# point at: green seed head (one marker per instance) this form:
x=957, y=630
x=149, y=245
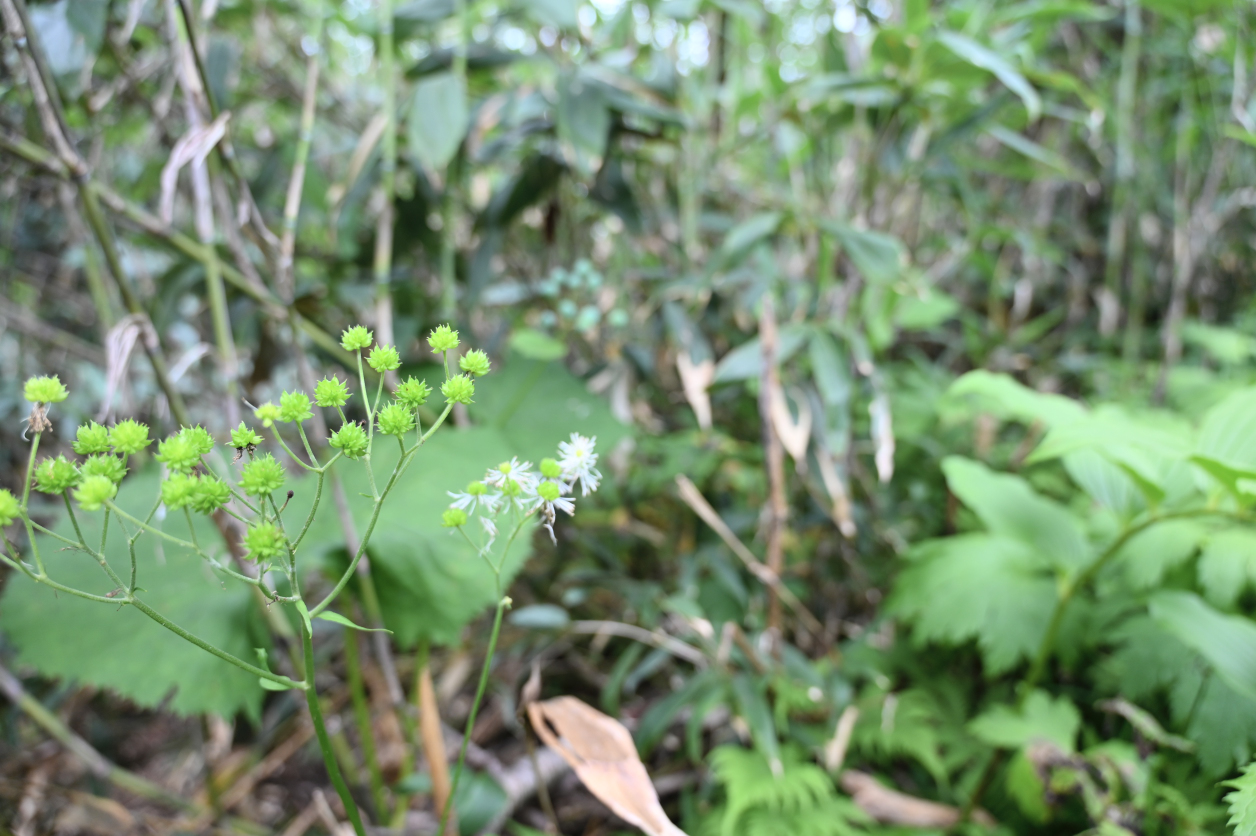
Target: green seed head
x=129, y=437
x=262, y=476
x=475, y=362
x=384, y=358
x=177, y=491
x=95, y=491
x=9, y=508
x=549, y=491
x=243, y=437
x=178, y=453
x=551, y=469
x=511, y=488
x=350, y=439
x=268, y=414
x=331, y=392
x=200, y=439
x=458, y=389
x=395, y=419
x=56, y=476
x=356, y=339
x=91, y=438
x=46, y=389
x=208, y=495
x=294, y=406
x=413, y=393
x=442, y=339
x=264, y=541
x=106, y=465
x=477, y=489
x=453, y=518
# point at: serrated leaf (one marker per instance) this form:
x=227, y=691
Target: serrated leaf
x=437, y=121
x=1228, y=642
x=121, y=649
x=1041, y=718
x=1242, y=802
x=1227, y=565
x=1008, y=506
x=1227, y=435
x=1150, y=553
x=1106, y=483
x=991, y=588
x=337, y=618
x=987, y=59
x=1006, y=398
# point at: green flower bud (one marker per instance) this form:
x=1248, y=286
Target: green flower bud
x=262, y=476
x=56, y=476
x=551, y=469
x=294, y=406
x=443, y=338
x=475, y=362
x=95, y=491
x=384, y=358
x=178, y=453
x=331, y=391
x=264, y=541
x=511, y=488
x=200, y=439
x=395, y=419
x=106, y=465
x=356, y=339
x=351, y=440
x=549, y=491
x=47, y=389
x=209, y=495
x=243, y=437
x=9, y=509
x=91, y=438
x=129, y=437
x=177, y=491
x=268, y=414
x=477, y=489
x=453, y=517
x=413, y=393
x=458, y=389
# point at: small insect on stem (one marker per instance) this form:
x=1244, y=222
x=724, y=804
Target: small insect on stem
x=115, y=593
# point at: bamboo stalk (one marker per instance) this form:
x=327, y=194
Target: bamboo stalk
x=774, y=461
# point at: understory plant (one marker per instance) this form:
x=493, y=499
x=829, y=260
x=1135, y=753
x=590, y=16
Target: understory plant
x=249, y=494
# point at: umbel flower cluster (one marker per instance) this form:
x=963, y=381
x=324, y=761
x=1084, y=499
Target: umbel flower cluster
x=514, y=487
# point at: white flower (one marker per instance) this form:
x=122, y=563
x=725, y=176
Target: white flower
x=490, y=528
x=471, y=502
x=579, y=462
x=515, y=470
x=549, y=501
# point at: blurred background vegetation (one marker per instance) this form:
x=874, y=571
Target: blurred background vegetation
x=752, y=246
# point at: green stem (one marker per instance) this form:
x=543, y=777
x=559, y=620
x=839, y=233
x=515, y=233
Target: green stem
x=309, y=520
x=324, y=742
x=209, y=648
x=502, y=605
x=26, y=498
x=362, y=716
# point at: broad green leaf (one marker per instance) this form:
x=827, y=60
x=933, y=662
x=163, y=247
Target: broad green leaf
x=1227, y=565
x=584, y=123
x=1149, y=554
x=120, y=648
x=1228, y=642
x=1105, y=483
x=745, y=362
x=1228, y=432
x=437, y=121
x=1008, y=506
x=1230, y=346
x=994, y=589
x=1242, y=802
x=337, y=618
x=741, y=238
x=535, y=345
x=985, y=58
x=1007, y=398
x=879, y=257
x=1040, y=719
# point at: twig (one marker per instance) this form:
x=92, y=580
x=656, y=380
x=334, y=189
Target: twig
x=96, y=763
x=695, y=500
x=655, y=638
x=774, y=462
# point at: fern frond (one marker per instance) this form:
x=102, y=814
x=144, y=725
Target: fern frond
x=751, y=786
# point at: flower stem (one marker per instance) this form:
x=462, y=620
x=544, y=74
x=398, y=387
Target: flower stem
x=324, y=741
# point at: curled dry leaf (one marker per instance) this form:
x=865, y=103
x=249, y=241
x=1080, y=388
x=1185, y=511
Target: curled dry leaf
x=193, y=147
x=893, y=807
x=695, y=379
x=602, y=753
x=794, y=436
